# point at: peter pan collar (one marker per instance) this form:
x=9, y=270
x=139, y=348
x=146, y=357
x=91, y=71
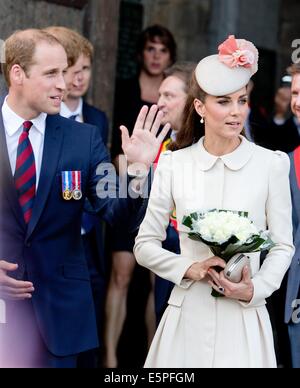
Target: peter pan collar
x=234, y=161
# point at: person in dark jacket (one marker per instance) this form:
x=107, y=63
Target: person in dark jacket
x=49, y=166
x=293, y=285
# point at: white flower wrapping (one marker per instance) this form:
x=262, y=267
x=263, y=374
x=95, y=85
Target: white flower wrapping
x=220, y=226
x=227, y=233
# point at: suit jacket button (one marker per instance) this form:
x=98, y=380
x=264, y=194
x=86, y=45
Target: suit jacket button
x=28, y=244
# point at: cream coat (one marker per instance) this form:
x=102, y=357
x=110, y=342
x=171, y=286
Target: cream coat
x=198, y=330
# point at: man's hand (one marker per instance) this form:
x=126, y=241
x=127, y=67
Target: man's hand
x=143, y=146
x=11, y=289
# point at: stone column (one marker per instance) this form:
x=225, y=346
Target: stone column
x=224, y=21
x=101, y=27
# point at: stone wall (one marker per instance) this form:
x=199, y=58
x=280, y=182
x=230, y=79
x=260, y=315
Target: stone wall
x=98, y=21
x=101, y=26
x=198, y=26
x=187, y=19
x=289, y=32
x=20, y=14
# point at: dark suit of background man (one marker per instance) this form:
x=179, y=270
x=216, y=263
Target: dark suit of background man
x=76, y=108
x=43, y=273
x=292, y=307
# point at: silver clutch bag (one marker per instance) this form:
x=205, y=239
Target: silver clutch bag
x=234, y=267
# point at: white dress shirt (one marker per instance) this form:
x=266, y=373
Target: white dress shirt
x=13, y=125
x=67, y=113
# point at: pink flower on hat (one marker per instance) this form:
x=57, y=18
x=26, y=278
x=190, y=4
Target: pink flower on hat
x=238, y=53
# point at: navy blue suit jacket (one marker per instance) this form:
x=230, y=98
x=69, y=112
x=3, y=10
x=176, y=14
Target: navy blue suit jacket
x=96, y=261
x=293, y=285
x=50, y=249
x=94, y=116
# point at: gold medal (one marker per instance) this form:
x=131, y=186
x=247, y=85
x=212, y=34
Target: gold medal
x=68, y=195
x=77, y=194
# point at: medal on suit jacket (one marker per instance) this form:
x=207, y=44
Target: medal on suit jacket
x=67, y=191
x=76, y=185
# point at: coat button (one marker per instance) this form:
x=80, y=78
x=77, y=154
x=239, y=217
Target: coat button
x=28, y=244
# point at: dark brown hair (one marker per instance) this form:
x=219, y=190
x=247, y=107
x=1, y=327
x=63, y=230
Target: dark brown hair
x=294, y=69
x=192, y=130
x=157, y=34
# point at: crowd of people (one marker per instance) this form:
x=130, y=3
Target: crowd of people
x=68, y=251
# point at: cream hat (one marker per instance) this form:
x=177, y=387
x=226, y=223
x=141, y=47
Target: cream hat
x=230, y=70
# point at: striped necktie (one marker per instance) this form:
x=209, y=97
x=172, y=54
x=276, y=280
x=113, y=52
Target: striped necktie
x=25, y=174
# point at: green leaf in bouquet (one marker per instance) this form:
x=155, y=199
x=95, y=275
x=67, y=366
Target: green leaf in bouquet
x=195, y=236
x=196, y=215
x=254, y=245
x=231, y=241
x=243, y=214
x=230, y=251
x=189, y=220
x=268, y=244
x=210, y=243
x=217, y=251
x=240, y=213
x=223, y=246
x=233, y=249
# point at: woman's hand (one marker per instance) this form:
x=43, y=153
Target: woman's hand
x=242, y=291
x=198, y=271
x=143, y=146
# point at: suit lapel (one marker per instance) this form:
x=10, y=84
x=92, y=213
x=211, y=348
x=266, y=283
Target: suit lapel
x=85, y=114
x=7, y=181
x=51, y=153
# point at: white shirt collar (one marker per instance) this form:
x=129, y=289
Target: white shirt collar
x=234, y=161
x=13, y=122
x=66, y=112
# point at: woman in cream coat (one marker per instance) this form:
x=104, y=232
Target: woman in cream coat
x=220, y=170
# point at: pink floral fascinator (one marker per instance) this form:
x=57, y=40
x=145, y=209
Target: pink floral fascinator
x=230, y=70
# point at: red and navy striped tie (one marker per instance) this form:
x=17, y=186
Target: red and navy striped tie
x=25, y=174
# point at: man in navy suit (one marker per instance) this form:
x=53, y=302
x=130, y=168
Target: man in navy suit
x=44, y=278
x=75, y=108
x=92, y=227
x=292, y=308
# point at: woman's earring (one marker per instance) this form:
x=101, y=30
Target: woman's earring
x=202, y=120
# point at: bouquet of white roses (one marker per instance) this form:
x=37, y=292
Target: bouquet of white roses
x=227, y=233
